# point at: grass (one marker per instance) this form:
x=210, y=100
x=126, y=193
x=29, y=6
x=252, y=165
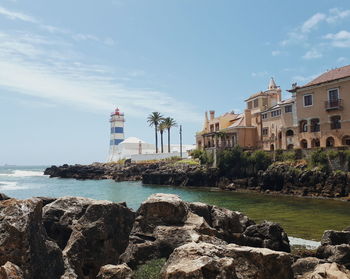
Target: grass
x=188, y=162
x=150, y=270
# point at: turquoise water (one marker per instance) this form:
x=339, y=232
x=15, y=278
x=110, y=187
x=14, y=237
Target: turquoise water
x=301, y=217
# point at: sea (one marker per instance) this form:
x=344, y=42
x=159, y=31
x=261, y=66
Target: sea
x=304, y=219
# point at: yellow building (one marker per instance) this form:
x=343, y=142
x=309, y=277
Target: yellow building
x=323, y=110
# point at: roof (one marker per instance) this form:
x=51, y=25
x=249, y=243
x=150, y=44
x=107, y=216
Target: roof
x=132, y=140
x=331, y=75
x=280, y=104
x=261, y=93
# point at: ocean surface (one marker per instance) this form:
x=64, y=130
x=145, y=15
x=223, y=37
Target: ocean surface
x=304, y=219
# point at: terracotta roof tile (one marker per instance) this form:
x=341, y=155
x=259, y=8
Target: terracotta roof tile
x=338, y=73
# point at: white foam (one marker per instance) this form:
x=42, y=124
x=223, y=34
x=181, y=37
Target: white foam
x=9, y=185
x=23, y=173
x=308, y=244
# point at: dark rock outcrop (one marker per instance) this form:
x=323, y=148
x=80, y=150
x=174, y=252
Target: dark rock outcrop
x=91, y=233
x=3, y=197
x=205, y=260
x=24, y=242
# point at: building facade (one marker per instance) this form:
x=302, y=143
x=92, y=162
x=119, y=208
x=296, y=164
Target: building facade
x=316, y=115
x=323, y=110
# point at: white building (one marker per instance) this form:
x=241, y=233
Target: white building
x=134, y=148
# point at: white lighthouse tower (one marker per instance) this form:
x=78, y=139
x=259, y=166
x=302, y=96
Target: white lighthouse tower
x=117, y=134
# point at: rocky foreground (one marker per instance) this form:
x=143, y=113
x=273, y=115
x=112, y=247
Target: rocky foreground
x=279, y=177
x=73, y=237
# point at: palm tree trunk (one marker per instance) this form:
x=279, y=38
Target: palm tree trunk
x=156, y=134
x=168, y=140
x=161, y=141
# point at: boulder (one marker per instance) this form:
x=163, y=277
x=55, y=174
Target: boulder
x=10, y=271
x=4, y=197
x=335, y=253
x=335, y=237
x=92, y=233
x=267, y=235
x=24, y=242
x=208, y=261
x=327, y=271
x=304, y=265
x=121, y=271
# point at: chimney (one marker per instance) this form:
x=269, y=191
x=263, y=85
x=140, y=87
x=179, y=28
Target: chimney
x=248, y=117
x=212, y=114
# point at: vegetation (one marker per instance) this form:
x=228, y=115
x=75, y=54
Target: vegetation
x=150, y=270
x=169, y=123
x=153, y=120
x=203, y=157
x=161, y=129
x=237, y=163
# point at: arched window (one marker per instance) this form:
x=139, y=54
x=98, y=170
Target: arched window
x=315, y=143
x=303, y=126
x=272, y=147
x=330, y=142
x=290, y=146
x=303, y=143
x=289, y=133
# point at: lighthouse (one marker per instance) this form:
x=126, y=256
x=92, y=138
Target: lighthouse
x=117, y=134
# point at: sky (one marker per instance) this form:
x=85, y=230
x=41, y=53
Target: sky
x=66, y=65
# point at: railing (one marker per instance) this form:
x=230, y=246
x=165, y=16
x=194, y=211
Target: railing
x=334, y=104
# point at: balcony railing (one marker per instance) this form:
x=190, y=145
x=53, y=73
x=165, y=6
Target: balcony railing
x=334, y=104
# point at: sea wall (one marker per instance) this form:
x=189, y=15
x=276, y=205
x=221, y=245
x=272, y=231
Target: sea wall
x=72, y=237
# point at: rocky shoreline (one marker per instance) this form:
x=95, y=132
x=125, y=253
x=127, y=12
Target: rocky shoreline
x=284, y=178
x=72, y=237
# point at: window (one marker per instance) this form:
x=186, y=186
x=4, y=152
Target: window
x=289, y=133
x=333, y=94
x=264, y=102
x=335, y=122
x=250, y=105
x=211, y=128
x=264, y=115
x=315, y=125
x=217, y=127
x=288, y=108
x=256, y=103
x=118, y=130
x=275, y=113
x=307, y=100
x=303, y=126
x=265, y=131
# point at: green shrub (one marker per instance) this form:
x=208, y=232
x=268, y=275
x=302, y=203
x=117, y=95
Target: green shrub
x=260, y=160
x=319, y=158
x=150, y=270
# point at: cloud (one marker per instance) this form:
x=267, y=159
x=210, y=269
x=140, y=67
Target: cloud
x=342, y=59
x=312, y=54
x=39, y=67
x=340, y=39
x=259, y=74
x=312, y=22
x=16, y=15
x=337, y=14
x=276, y=52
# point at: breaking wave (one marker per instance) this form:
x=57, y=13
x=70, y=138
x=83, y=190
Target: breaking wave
x=23, y=173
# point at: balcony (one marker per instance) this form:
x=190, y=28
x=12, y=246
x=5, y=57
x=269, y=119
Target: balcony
x=334, y=104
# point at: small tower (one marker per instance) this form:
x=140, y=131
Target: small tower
x=117, y=133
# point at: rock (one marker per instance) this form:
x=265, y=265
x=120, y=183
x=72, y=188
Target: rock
x=335, y=237
x=24, y=242
x=335, y=253
x=4, y=197
x=304, y=265
x=121, y=271
x=10, y=271
x=327, y=271
x=207, y=261
x=92, y=233
x=163, y=223
x=267, y=235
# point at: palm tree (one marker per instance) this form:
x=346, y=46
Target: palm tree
x=168, y=124
x=161, y=129
x=154, y=119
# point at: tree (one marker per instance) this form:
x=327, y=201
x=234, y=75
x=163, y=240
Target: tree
x=154, y=119
x=161, y=129
x=168, y=124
